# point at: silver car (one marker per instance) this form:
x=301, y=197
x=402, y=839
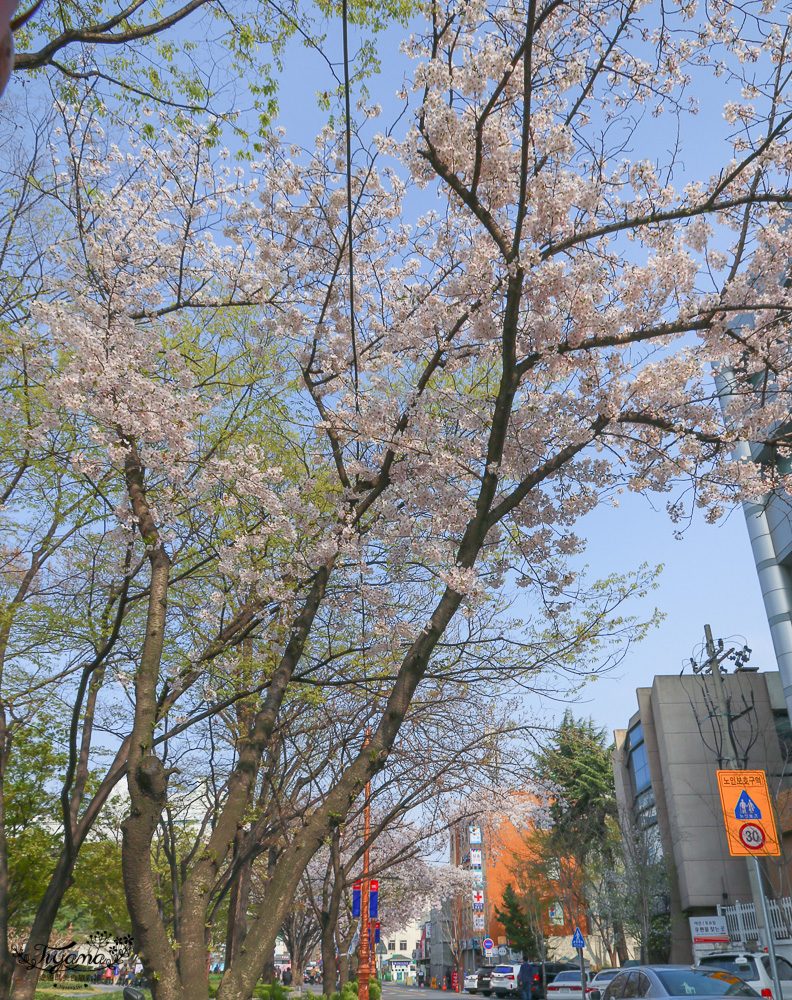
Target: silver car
x=663, y=981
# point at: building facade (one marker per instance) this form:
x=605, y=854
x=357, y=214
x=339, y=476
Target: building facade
x=664, y=767
x=490, y=846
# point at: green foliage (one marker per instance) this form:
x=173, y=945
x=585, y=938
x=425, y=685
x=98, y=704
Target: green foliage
x=517, y=924
x=659, y=938
x=270, y=991
x=578, y=763
x=96, y=900
x=375, y=990
x=34, y=769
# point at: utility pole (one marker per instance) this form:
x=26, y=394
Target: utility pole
x=732, y=762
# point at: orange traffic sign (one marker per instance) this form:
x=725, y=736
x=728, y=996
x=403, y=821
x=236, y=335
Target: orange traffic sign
x=747, y=813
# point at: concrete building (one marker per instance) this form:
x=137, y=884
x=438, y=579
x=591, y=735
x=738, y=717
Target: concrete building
x=664, y=767
x=401, y=947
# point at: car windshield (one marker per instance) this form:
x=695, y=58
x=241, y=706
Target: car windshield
x=697, y=982
x=739, y=965
x=606, y=974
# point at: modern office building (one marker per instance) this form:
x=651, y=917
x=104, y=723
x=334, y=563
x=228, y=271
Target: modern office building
x=664, y=765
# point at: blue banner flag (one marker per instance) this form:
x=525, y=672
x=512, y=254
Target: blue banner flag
x=356, y=899
x=373, y=898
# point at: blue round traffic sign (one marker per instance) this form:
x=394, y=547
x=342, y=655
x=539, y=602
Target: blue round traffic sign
x=489, y=944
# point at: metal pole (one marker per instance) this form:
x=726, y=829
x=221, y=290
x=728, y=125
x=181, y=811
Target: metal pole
x=583, y=983
x=770, y=942
x=732, y=763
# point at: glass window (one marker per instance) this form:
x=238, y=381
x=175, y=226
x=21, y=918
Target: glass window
x=640, y=768
x=615, y=990
x=784, y=968
x=742, y=965
x=605, y=975
x=631, y=987
x=391, y=946
x=644, y=985
x=697, y=982
x=634, y=737
x=402, y=946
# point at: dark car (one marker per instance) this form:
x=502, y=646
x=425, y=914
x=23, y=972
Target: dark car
x=483, y=982
x=663, y=981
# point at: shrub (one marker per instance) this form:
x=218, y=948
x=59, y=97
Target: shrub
x=375, y=990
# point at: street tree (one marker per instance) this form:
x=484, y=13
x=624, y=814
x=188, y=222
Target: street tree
x=520, y=929
x=542, y=342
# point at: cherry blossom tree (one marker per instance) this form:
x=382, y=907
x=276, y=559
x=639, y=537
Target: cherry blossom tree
x=542, y=342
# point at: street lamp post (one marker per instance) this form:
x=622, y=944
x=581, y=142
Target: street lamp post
x=364, y=965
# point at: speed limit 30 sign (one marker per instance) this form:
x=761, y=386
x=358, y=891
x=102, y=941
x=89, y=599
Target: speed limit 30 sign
x=748, y=813
x=752, y=836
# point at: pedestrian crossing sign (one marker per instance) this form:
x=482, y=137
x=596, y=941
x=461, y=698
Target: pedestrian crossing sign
x=577, y=939
x=746, y=808
x=748, y=814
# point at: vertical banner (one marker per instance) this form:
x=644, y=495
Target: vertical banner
x=373, y=898
x=376, y=932
x=356, y=899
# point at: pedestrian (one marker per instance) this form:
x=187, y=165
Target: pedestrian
x=420, y=978
x=108, y=975
x=138, y=970
x=525, y=980
x=116, y=973
x=287, y=977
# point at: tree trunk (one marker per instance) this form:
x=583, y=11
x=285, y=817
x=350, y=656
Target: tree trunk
x=6, y=961
x=147, y=778
x=343, y=970
x=621, y=943
x=329, y=919
x=238, y=902
x=268, y=972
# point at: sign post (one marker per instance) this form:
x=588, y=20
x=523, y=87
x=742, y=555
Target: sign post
x=751, y=832
x=579, y=944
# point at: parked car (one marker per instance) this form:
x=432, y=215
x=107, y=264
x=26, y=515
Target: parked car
x=551, y=971
x=661, y=981
x=470, y=982
x=567, y=985
x=484, y=979
x=503, y=980
x=603, y=977
x=754, y=968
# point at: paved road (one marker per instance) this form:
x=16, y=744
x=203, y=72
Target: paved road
x=397, y=991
